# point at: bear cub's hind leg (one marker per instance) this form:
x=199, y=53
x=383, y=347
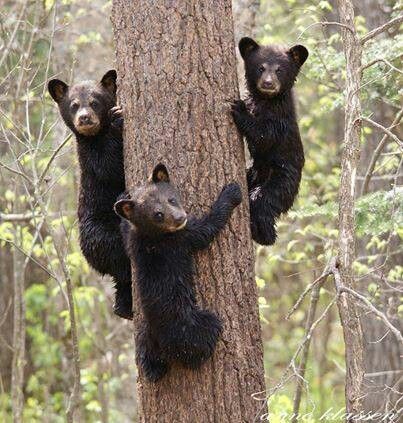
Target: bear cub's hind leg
x=149, y=355
x=192, y=341
x=123, y=306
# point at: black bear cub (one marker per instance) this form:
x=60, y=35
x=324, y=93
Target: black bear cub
x=161, y=240
x=89, y=110
x=268, y=121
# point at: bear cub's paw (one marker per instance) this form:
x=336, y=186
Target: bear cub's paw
x=116, y=117
x=263, y=232
x=239, y=106
x=154, y=370
x=123, y=308
x=233, y=193
x=239, y=110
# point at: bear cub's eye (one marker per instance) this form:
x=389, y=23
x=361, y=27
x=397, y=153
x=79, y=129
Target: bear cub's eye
x=278, y=70
x=74, y=107
x=173, y=202
x=158, y=216
x=94, y=104
x=261, y=69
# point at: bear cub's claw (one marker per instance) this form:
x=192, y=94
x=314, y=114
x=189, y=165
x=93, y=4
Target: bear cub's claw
x=233, y=192
x=238, y=107
x=116, y=117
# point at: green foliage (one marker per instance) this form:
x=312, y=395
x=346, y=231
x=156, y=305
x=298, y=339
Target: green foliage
x=29, y=120
x=370, y=213
x=308, y=234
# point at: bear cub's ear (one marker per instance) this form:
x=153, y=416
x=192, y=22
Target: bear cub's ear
x=57, y=89
x=247, y=46
x=299, y=54
x=108, y=81
x=160, y=174
x=125, y=208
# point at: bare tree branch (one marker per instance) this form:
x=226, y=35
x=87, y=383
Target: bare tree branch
x=285, y=376
x=52, y=275
x=55, y=153
x=382, y=28
x=377, y=153
x=18, y=22
x=340, y=288
x=385, y=130
x=75, y=398
x=305, y=352
x=323, y=24
x=319, y=280
x=17, y=172
x=380, y=60
x=26, y=217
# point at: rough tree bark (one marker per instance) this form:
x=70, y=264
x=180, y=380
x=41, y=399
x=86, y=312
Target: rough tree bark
x=349, y=315
x=177, y=73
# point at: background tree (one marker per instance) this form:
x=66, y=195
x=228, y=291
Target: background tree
x=178, y=71
x=352, y=330
x=381, y=349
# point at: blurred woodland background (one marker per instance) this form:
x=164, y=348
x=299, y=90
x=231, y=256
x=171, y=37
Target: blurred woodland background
x=41, y=266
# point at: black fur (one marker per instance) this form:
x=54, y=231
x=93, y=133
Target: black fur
x=268, y=121
x=89, y=110
x=175, y=328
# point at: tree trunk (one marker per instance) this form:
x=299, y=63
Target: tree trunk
x=177, y=71
x=7, y=287
x=382, y=352
x=349, y=315
x=19, y=332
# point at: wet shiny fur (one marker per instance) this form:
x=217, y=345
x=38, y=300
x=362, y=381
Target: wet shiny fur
x=267, y=119
x=89, y=110
x=175, y=328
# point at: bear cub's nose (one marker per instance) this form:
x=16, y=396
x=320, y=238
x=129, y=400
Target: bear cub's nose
x=84, y=119
x=268, y=84
x=179, y=219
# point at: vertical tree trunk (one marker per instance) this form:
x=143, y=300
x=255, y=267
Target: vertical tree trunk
x=349, y=316
x=382, y=353
x=7, y=308
x=19, y=334
x=177, y=72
